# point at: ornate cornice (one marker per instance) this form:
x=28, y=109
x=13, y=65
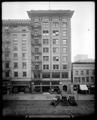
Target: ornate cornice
x=16, y=22
x=40, y=13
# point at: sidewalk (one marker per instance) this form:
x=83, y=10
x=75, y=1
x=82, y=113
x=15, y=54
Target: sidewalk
x=22, y=96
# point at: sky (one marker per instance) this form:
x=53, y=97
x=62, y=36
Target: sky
x=82, y=21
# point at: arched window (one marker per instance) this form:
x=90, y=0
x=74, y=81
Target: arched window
x=65, y=88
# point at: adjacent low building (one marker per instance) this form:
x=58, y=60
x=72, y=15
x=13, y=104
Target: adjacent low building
x=83, y=74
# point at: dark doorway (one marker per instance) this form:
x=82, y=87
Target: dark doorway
x=45, y=88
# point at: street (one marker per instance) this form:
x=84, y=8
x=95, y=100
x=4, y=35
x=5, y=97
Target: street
x=37, y=107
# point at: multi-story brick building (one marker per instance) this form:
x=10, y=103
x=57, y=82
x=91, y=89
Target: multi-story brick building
x=40, y=50
x=83, y=73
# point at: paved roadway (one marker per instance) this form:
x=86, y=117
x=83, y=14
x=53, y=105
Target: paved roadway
x=44, y=96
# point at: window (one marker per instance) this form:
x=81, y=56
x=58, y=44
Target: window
x=64, y=33
x=56, y=58
x=15, y=74
x=55, y=41
x=45, y=24
x=15, y=41
x=23, y=30
x=55, y=66
x=45, y=50
x=79, y=79
x=45, y=75
x=23, y=34
x=36, y=57
x=45, y=66
x=24, y=65
x=64, y=41
x=15, y=48
x=7, y=74
x=64, y=58
x=55, y=75
x=15, y=55
x=64, y=49
x=65, y=88
x=87, y=79
x=92, y=79
x=45, y=58
x=55, y=32
x=55, y=24
x=55, y=50
x=23, y=55
x=83, y=79
x=45, y=41
x=45, y=32
x=64, y=24
x=64, y=66
x=36, y=41
x=87, y=72
x=24, y=74
x=15, y=65
x=65, y=75
x=6, y=54
x=36, y=50
x=15, y=35
x=76, y=72
x=82, y=72
x=7, y=65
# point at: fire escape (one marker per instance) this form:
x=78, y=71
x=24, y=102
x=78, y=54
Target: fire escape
x=36, y=44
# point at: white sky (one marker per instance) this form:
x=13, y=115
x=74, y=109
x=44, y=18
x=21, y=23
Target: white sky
x=82, y=21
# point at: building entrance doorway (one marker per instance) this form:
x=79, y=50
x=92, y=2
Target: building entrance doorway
x=45, y=88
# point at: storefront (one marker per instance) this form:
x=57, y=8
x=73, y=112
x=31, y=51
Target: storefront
x=20, y=86
x=44, y=86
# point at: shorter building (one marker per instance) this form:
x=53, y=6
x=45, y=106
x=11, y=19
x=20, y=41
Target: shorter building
x=83, y=73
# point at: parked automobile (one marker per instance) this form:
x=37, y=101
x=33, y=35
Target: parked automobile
x=55, y=101
x=72, y=101
x=64, y=101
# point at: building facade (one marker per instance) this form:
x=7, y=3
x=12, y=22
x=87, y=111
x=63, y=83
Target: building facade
x=83, y=73
x=39, y=50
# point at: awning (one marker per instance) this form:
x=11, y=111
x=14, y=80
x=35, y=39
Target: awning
x=83, y=87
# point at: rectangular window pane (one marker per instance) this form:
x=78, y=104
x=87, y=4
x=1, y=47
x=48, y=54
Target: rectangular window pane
x=55, y=50
x=24, y=74
x=15, y=65
x=45, y=75
x=56, y=58
x=15, y=74
x=56, y=75
x=45, y=66
x=55, y=66
x=64, y=58
x=24, y=65
x=45, y=50
x=64, y=41
x=7, y=65
x=64, y=49
x=45, y=41
x=45, y=58
x=55, y=41
x=64, y=66
x=65, y=75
